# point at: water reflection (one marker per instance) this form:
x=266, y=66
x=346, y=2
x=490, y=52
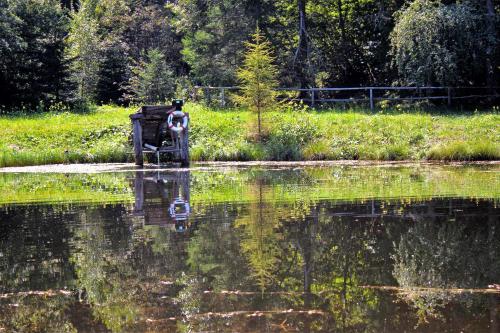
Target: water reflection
x=166, y=198
x=271, y=261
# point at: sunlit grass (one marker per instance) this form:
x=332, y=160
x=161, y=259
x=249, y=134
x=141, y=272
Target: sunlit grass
x=229, y=134
x=100, y=136
x=465, y=151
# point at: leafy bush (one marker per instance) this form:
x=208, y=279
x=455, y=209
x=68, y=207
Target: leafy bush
x=289, y=135
x=436, y=43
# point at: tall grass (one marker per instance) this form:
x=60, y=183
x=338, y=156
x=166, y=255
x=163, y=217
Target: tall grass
x=351, y=134
x=465, y=151
x=103, y=135
x=49, y=138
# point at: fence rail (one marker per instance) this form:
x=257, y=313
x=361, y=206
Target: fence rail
x=315, y=96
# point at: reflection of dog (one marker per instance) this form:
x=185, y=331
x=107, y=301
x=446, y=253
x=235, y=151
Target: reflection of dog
x=179, y=211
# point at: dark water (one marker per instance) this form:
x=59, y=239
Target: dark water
x=253, y=250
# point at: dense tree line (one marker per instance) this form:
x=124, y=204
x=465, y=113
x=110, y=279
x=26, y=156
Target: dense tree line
x=118, y=51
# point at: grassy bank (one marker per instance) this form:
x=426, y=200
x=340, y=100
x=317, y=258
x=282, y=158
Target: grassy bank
x=104, y=136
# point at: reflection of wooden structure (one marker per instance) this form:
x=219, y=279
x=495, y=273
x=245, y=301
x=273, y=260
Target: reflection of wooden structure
x=151, y=134
x=162, y=198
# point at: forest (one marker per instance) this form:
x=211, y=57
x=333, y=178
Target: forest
x=125, y=52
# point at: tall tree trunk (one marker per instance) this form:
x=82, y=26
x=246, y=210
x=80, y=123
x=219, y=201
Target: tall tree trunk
x=341, y=20
x=490, y=48
x=259, y=123
x=302, y=53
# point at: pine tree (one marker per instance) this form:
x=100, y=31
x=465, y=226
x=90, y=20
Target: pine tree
x=32, y=35
x=152, y=81
x=258, y=77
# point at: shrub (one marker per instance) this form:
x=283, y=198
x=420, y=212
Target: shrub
x=437, y=43
x=289, y=137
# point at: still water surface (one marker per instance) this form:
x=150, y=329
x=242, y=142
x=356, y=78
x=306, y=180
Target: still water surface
x=337, y=249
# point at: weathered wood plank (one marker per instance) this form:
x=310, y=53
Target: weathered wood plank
x=137, y=136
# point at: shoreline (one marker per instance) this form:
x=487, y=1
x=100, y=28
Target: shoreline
x=128, y=167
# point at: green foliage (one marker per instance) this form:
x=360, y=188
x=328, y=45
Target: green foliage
x=84, y=51
x=433, y=43
x=152, y=81
x=91, y=51
x=258, y=77
x=31, y=52
x=289, y=136
x=213, y=35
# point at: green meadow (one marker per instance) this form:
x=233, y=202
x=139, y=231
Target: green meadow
x=104, y=135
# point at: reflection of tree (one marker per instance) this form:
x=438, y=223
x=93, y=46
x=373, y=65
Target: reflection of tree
x=300, y=247
x=436, y=256
x=34, y=248
x=34, y=251
x=213, y=252
x=215, y=265
x=343, y=258
x=31, y=314
x=103, y=276
x=118, y=270
x=260, y=238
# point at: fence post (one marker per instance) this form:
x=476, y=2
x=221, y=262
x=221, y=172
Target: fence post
x=208, y=96
x=194, y=94
x=222, y=98
x=449, y=96
x=372, y=106
x=312, y=96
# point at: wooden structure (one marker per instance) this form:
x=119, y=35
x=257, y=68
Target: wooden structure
x=369, y=95
x=151, y=134
x=162, y=199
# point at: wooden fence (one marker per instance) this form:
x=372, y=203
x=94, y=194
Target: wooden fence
x=368, y=95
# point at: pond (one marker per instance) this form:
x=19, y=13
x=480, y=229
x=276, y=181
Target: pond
x=254, y=249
